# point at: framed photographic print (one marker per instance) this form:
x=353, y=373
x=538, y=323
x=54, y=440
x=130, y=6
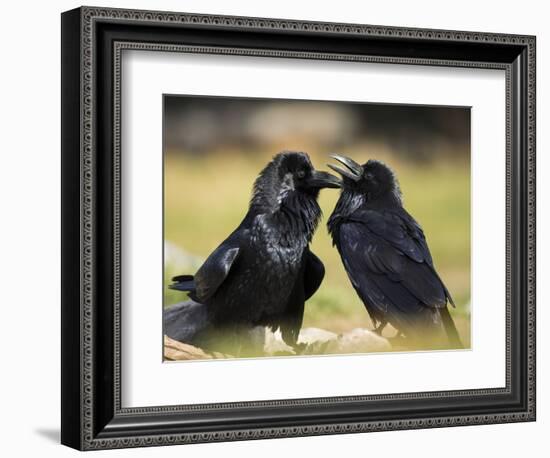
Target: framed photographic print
x=278, y=228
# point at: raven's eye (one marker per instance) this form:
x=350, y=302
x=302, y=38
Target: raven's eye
x=301, y=174
x=369, y=176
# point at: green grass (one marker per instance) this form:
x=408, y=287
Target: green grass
x=207, y=196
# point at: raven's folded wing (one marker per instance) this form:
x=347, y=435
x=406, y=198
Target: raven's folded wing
x=390, y=272
x=214, y=271
x=314, y=272
x=309, y=280
x=398, y=229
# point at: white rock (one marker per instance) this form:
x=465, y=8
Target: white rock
x=358, y=341
x=312, y=335
x=323, y=342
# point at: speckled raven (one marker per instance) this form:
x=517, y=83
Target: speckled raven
x=262, y=274
x=386, y=257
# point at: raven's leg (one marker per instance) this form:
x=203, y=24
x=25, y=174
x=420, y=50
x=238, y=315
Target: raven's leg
x=378, y=329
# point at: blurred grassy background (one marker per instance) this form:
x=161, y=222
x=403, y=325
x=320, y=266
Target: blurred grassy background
x=207, y=190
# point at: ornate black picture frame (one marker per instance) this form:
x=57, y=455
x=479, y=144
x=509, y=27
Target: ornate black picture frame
x=92, y=42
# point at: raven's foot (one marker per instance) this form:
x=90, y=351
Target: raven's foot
x=378, y=330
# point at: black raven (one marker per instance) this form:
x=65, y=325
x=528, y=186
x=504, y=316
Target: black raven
x=386, y=257
x=262, y=274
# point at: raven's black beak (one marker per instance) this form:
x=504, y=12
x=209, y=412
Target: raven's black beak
x=351, y=170
x=323, y=180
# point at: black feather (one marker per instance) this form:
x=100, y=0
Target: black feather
x=183, y=283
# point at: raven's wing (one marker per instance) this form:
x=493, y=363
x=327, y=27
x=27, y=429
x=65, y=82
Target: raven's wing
x=401, y=231
x=390, y=266
x=309, y=280
x=417, y=234
x=214, y=271
x=314, y=272
x=397, y=228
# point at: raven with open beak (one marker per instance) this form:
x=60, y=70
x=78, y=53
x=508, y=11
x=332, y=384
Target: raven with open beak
x=387, y=258
x=263, y=273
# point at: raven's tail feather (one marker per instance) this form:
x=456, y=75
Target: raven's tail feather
x=184, y=321
x=183, y=283
x=450, y=328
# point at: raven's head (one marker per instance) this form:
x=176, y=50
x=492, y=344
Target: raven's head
x=290, y=174
x=288, y=188
x=372, y=183
x=374, y=180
